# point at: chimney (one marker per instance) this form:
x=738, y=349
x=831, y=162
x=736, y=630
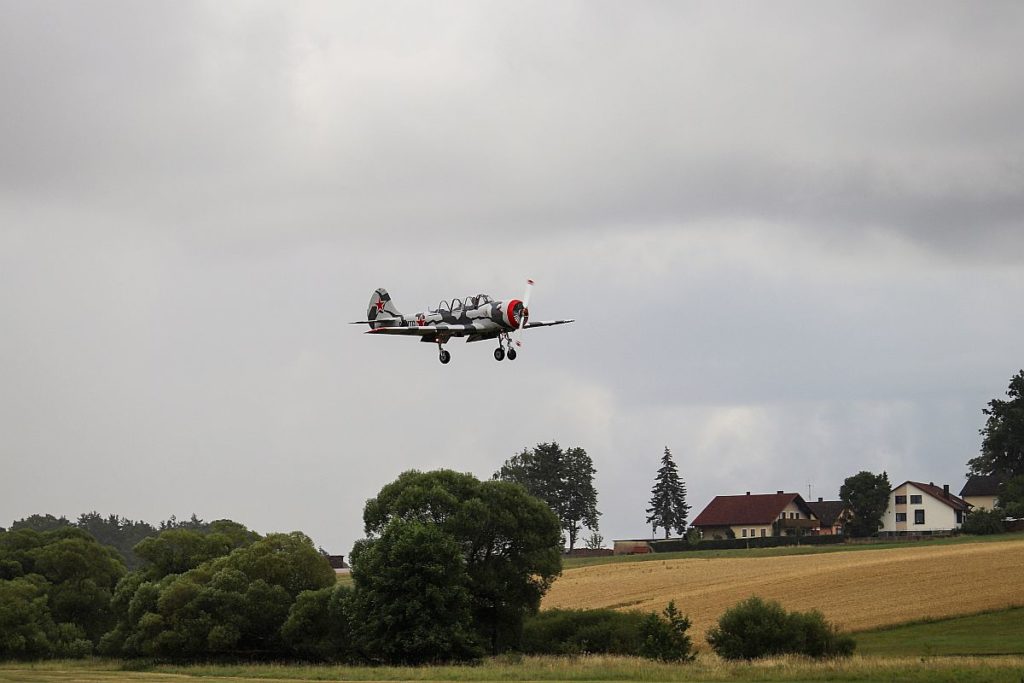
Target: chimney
x=945, y=490
x=778, y=493
x=931, y=483
x=748, y=493
x=820, y=500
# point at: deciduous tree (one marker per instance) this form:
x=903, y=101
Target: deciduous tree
x=562, y=479
x=867, y=496
x=508, y=539
x=1002, y=445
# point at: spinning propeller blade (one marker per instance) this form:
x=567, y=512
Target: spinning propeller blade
x=525, y=314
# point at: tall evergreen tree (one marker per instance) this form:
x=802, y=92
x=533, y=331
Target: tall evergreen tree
x=668, y=499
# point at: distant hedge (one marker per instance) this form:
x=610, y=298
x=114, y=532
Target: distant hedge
x=681, y=544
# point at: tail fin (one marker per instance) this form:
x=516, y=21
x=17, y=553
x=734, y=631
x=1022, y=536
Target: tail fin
x=381, y=307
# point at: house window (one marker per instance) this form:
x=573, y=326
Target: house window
x=959, y=516
x=918, y=516
x=744, y=533
x=763, y=534
x=901, y=500
x=901, y=516
x=915, y=500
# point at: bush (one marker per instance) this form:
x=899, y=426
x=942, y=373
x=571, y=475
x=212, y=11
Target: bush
x=605, y=631
x=983, y=522
x=755, y=628
x=582, y=631
x=666, y=639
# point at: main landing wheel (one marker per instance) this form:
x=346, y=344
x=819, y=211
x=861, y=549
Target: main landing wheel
x=511, y=354
x=499, y=354
x=444, y=357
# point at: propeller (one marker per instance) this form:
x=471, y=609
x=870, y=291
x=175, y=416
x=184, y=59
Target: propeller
x=525, y=314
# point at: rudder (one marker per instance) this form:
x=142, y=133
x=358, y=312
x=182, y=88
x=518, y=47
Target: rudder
x=381, y=306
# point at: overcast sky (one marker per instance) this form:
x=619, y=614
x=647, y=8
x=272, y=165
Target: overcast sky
x=792, y=236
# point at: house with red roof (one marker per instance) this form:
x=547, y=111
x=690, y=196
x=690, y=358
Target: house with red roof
x=917, y=508
x=756, y=516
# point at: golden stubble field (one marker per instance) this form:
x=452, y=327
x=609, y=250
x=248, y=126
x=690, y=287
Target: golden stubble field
x=858, y=590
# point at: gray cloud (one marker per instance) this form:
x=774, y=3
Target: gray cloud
x=790, y=235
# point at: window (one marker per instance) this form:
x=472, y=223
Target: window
x=763, y=534
x=744, y=533
x=901, y=516
x=918, y=516
x=959, y=516
x=901, y=500
x=915, y=500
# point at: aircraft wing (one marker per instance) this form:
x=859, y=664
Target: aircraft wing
x=449, y=330
x=546, y=323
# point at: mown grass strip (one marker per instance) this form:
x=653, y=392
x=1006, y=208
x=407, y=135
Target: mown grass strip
x=597, y=668
x=990, y=633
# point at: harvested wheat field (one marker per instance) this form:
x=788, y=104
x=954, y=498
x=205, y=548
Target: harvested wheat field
x=857, y=590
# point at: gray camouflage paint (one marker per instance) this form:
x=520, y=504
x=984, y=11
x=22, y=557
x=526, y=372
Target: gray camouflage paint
x=477, y=317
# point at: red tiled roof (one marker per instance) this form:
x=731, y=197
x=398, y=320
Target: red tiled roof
x=939, y=494
x=760, y=508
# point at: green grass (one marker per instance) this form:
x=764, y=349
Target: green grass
x=575, y=562
x=706, y=668
x=990, y=633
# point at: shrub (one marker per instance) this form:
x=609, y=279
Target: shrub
x=666, y=639
x=756, y=628
x=983, y=522
x=580, y=631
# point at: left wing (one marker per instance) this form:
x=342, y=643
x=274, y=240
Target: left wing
x=427, y=330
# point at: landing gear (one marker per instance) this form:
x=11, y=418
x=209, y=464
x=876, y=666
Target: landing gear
x=504, y=349
x=444, y=357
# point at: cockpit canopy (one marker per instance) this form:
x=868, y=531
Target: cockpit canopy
x=474, y=301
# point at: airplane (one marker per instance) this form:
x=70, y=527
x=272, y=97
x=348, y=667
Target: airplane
x=476, y=317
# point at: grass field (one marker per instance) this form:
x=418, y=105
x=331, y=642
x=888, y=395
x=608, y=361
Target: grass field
x=855, y=589
x=706, y=668
x=992, y=633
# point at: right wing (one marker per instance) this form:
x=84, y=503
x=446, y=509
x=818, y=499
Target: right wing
x=546, y=323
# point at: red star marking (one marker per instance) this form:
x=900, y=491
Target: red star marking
x=380, y=304
x=421, y=321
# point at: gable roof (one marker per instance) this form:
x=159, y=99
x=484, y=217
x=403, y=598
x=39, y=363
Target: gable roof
x=938, y=494
x=981, y=486
x=760, y=508
x=827, y=511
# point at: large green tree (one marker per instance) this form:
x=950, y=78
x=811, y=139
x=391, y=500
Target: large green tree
x=412, y=603
x=867, y=496
x=232, y=604
x=509, y=542
x=668, y=498
x=562, y=479
x=1002, y=444
x=59, y=584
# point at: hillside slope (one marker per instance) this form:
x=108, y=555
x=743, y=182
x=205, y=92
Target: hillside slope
x=858, y=589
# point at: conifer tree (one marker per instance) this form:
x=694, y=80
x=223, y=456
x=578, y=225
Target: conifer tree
x=668, y=499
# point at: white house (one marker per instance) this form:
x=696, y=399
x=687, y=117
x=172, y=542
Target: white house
x=916, y=508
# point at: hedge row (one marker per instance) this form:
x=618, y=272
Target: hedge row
x=681, y=544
